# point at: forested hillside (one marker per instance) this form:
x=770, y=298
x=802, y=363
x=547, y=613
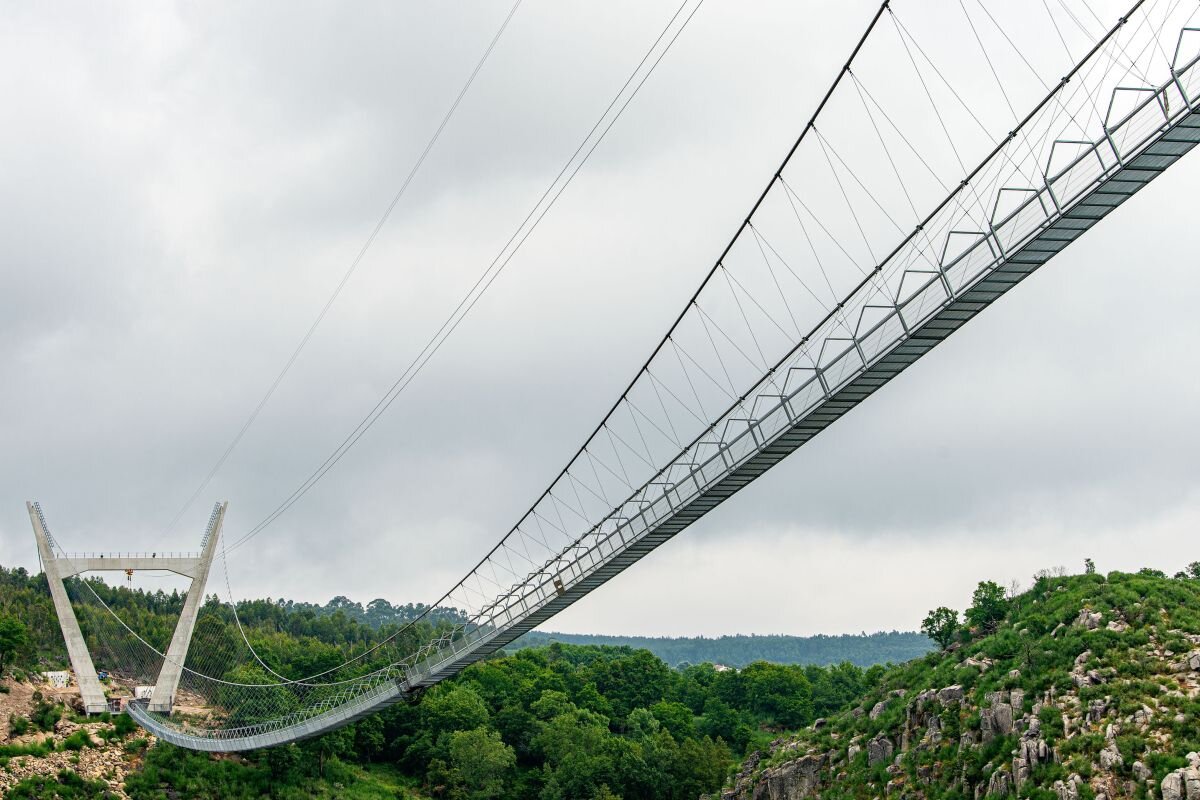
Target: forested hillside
x=862, y=649
x=559, y=721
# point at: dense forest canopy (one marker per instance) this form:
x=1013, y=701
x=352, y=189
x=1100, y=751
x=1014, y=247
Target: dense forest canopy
x=552, y=721
x=600, y=721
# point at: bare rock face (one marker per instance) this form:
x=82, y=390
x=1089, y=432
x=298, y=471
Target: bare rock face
x=878, y=709
x=1068, y=790
x=921, y=720
x=982, y=663
x=880, y=750
x=1190, y=663
x=1088, y=620
x=997, y=718
x=1031, y=751
x=1172, y=786
x=1183, y=784
x=743, y=783
x=951, y=694
x=999, y=785
x=1097, y=709
x=796, y=780
x=1110, y=756
x=1003, y=715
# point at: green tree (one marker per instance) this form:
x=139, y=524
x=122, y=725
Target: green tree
x=336, y=744
x=676, y=719
x=781, y=692
x=1089, y=566
x=14, y=637
x=458, y=709
x=281, y=761
x=368, y=738
x=941, y=625
x=479, y=763
x=1194, y=569
x=988, y=606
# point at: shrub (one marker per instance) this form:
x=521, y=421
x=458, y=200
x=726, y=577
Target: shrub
x=18, y=726
x=45, y=715
x=66, y=785
x=77, y=740
x=124, y=725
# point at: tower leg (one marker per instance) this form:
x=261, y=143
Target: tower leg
x=90, y=688
x=172, y=669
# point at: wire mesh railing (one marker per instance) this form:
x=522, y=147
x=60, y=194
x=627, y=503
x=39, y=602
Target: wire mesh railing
x=1008, y=216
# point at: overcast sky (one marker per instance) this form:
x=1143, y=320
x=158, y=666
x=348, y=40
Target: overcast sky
x=182, y=186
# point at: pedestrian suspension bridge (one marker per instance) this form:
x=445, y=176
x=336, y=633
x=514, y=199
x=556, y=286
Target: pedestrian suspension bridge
x=945, y=164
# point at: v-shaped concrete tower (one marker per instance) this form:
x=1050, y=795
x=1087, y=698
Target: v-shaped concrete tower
x=58, y=565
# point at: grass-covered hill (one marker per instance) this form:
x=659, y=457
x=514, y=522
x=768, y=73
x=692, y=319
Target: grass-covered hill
x=861, y=649
x=1082, y=687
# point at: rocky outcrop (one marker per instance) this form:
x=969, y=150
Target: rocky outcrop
x=1031, y=751
x=880, y=750
x=1068, y=789
x=1183, y=784
x=1066, y=720
x=795, y=780
x=951, y=694
x=1190, y=663
x=998, y=785
x=996, y=719
x=1110, y=756
x=743, y=783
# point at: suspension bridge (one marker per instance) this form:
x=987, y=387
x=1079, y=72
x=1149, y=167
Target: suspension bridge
x=912, y=199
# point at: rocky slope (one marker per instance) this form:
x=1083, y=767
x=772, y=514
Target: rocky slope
x=93, y=750
x=1088, y=689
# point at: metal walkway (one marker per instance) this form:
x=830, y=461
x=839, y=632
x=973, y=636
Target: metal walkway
x=974, y=270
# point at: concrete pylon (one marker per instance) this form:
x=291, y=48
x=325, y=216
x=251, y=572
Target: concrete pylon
x=59, y=567
x=172, y=668
x=94, y=700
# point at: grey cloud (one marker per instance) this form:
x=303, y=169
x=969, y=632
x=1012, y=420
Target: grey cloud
x=184, y=187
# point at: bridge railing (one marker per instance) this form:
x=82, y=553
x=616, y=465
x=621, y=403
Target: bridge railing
x=873, y=324
x=155, y=554
x=842, y=358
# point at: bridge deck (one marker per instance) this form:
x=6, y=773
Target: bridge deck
x=1052, y=216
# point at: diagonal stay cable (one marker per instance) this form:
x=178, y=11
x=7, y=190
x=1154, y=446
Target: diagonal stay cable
x=668, y=337
x=484, y=281
x=970, y=176
x=312, y=329
x=547, y=200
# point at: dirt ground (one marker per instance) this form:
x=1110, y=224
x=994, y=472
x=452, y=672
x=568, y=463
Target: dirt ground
x=19, y=701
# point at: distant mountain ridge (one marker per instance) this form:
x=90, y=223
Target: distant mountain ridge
x=862, y=650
